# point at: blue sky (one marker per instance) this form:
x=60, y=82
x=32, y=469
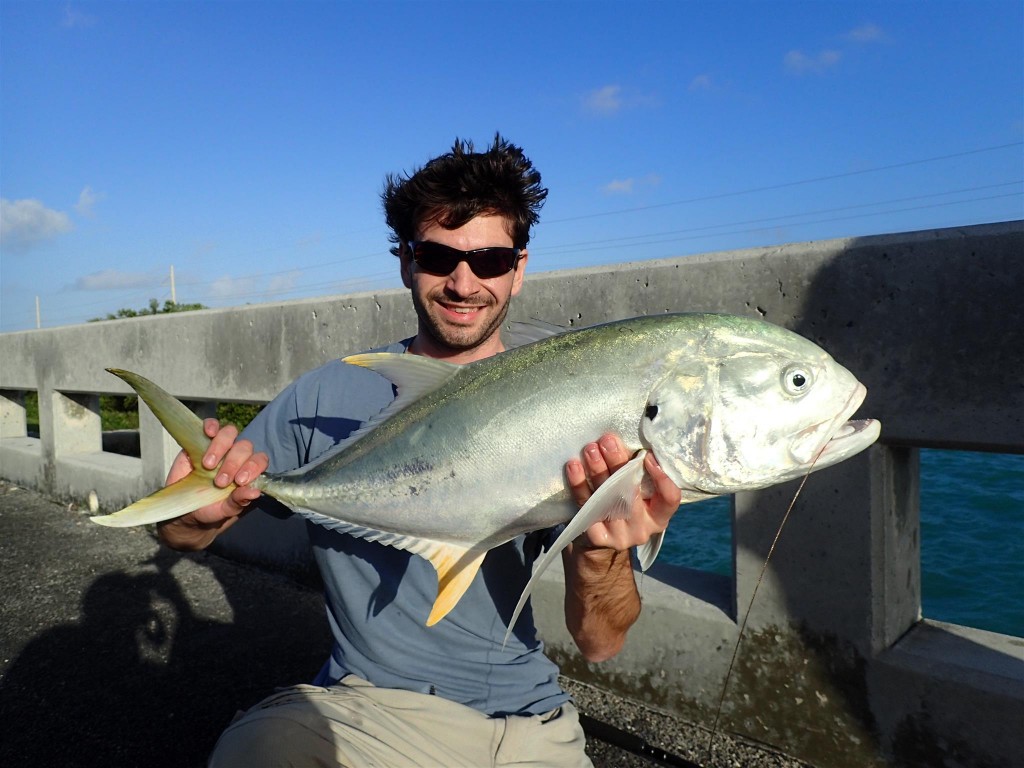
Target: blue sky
x=245, y=143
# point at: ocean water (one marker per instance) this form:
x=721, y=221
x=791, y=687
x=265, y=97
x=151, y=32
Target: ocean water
x=972, y=539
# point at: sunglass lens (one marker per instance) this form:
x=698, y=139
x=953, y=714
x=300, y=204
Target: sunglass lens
x=485, y=262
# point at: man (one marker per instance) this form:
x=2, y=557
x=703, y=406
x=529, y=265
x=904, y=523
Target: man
x=394, y=691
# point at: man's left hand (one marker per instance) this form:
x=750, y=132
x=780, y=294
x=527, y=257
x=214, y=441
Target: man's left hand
x=649, y=515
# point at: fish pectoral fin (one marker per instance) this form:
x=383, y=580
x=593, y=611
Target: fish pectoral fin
x=456, y=568
x=613, y=500
x=647, y=553
x=193, y=491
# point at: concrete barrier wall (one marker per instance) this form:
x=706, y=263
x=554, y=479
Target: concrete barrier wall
x=835, y=665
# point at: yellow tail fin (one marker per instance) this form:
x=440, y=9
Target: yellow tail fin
x=192, y=491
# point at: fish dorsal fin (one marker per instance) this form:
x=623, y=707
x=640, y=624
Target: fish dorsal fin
x=520, y=332
x=456, y=566
x=613, y=500
x=413, y=375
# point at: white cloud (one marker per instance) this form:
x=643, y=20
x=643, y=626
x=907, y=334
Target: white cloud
x=86, y=204
x=235, y=289
x=611, y=99
x=799, y=62
x=701, y=83
x=74, y=18
x=618, y=187
x=283, y=283
x=605, y=101
x=115, y=279
x=630, y=185
x=24, y=223
x=866, y=33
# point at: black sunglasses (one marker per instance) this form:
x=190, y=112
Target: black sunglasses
x=441, y=259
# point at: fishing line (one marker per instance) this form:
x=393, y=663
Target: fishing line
x=750, y=606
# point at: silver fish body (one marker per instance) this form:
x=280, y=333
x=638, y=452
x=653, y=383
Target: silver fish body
x=470, y=456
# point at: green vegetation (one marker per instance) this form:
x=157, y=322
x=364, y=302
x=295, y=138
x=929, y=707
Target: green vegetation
x=239, y=414
x=154, y=308
x=122, y=412
x=32, y=412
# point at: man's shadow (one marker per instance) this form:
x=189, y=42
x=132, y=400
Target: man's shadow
x=142, y=680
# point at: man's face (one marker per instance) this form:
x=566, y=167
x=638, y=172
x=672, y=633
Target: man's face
x=460, y=314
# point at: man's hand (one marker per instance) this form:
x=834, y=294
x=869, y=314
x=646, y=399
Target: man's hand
x=241, y=466
x=601, y=600
x=649, y=515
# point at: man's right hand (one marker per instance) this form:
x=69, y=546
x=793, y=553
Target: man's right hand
x=241, y=466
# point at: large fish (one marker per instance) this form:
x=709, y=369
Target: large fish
x=468, y=457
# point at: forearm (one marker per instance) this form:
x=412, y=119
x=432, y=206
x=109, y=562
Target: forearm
x=601, y=599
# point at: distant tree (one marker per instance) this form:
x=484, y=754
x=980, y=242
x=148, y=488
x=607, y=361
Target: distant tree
x=121, y=411
x=154, y=308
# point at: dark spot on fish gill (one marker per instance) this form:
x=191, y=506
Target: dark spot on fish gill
x=651, y=412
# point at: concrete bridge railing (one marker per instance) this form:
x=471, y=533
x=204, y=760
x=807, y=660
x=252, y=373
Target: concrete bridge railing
x=836, y=666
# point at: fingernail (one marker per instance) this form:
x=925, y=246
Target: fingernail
x=209, y=461
x=242, y=478
x=223, y=479
x=608, y=443
x=593, y=451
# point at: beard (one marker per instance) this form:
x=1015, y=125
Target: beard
x=456, y=337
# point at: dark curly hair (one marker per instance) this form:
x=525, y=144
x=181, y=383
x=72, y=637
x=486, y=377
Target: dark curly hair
x=456, y=187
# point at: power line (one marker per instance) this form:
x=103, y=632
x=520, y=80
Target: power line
x=787, y=184
x=569, y=247
x=797, y=224
x=632, y=241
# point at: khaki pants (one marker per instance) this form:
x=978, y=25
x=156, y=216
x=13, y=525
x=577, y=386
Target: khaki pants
x=355, y=724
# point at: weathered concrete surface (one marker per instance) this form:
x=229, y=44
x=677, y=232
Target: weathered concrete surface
x=117, y=652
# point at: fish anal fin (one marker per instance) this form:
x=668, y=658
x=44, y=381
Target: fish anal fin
x=456, y=568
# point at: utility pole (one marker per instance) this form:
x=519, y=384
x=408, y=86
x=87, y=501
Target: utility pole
x=173, y=298
x=39, y=323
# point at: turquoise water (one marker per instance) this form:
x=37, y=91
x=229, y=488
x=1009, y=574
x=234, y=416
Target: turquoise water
x=972, y=539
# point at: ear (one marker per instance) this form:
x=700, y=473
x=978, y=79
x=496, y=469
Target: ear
x=517, y=278
x=405, y=259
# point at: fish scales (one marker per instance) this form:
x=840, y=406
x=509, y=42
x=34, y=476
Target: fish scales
x=496, y=414
x=467, y=457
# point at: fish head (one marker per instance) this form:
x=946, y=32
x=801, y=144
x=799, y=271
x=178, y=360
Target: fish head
x=754, y=406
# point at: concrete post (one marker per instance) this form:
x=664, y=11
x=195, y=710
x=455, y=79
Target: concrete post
x=847, y=564
x=75, y=423
x=12, y=414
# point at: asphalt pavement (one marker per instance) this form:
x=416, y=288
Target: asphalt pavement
x=115, y=651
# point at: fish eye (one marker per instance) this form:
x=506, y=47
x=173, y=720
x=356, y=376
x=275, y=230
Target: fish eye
x=651, y=412
x=796, y=380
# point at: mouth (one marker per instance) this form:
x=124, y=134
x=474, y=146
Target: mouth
x=460, y=313
x=851, y=435
x=851, y=438
x=843, y=437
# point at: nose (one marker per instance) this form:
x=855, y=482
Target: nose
x=461, y=280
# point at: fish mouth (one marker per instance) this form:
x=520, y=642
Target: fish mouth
x=850, y=436
x=829, y=442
